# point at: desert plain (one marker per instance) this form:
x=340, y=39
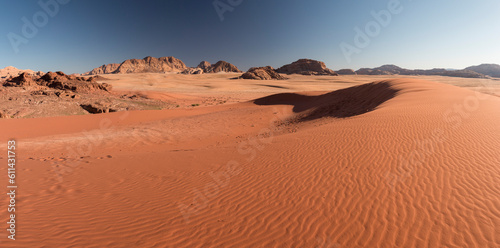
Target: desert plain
x=311, y=161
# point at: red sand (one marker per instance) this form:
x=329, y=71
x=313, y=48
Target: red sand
x=397, y=163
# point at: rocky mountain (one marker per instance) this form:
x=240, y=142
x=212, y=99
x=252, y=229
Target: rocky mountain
x=206, y=67
x=306, y=67
x=148, y=64
x=492, y=70
x=11, y=71
x=262, y=73
x=222, y=66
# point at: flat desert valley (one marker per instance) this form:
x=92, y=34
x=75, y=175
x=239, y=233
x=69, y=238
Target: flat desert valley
x=311, y=161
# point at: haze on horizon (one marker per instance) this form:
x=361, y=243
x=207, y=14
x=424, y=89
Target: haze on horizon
x=82, y=35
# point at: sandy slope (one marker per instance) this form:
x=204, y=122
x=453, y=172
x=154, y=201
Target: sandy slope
x=396, y=163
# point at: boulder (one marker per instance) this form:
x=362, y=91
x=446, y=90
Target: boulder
x=97, y=108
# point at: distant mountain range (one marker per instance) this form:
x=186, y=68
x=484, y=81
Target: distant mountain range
x=302, y=66
x=479, y=71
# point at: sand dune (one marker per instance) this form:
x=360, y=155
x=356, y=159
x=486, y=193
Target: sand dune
x=394, y=163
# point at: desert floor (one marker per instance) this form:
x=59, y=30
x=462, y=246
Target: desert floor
x=307, y=162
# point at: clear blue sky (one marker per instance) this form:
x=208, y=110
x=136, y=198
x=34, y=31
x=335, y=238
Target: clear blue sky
x=85, y=34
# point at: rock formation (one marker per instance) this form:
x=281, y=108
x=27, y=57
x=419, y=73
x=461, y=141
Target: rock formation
x=204, y=65
x=11, y=71
x=346, y=72
x=192, y=71
x=23, y=80
x=492, y=70
x=222, y=66
x=306, y=67
x=104, y=69
x=58, y=80
x=148, y=64
x=151, y=64
x=262, y=73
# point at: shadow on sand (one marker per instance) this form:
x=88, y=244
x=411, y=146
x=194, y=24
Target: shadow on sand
x=342, y=103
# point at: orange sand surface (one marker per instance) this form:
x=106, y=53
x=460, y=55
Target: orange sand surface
x=347, y=163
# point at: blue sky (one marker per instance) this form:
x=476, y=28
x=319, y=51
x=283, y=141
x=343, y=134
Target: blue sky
x=85, y=34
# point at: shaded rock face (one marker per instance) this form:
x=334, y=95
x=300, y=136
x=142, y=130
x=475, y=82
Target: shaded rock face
x=306, y=67
x=58, y=80
x=192, y=71
x=104, y=69
x=204, y=65
x=22, y=80
x=262, y=73
x=148, y=64
x=100, y=107
x=222, y=66
x=492, y=70
x=346, y=72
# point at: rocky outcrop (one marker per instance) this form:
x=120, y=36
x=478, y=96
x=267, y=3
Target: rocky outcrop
x=346, y=72
x=58, y=80
x=11, y=71
x=492, y=70
x=23, y=80
x=204, y=65
x=262, y=73
x=192, y=71
x=306, y=67
x=222, y=66
x=104, y=69
x=148, y=64
x=151, y=64
x=101, y=107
